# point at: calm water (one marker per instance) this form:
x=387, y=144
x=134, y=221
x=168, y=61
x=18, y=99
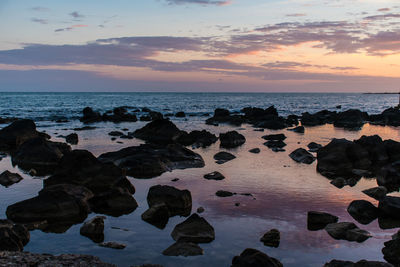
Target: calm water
x=283, y=190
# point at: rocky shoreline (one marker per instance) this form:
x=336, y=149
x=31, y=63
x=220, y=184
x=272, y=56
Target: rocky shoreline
x=78, y=183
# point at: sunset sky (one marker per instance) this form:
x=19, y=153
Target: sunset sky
x=200, y=45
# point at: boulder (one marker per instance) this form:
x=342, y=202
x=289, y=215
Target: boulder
x=150, y=160
x=339, y=182
x=157, y=215
x=363, y=211
x=197, y=139
x=72, y=139
x=160, y=131
x=8, y=178
x=222, y=157
x=389, y=177
x=347, y=231
x=318, y=220
x=350, y=119
x=391, y=250
x=313, y=147
x=178, y=202
x=194, y=229
x=231, y=139
x=301, y=155
x=94, y=229
x=390, y=206
x=115, y=133
x=16, y=134
x=276, y=137
x=271, y=238
x=275, y=144
x=361, y=263
x=13, y=237
x=90, y=116
x=319, y=118
x=377, y=193
x=214, y=176
x=119, y=114
x=183, y=249
x=252, y=257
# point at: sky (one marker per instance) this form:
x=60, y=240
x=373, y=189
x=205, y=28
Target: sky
x=200, y=45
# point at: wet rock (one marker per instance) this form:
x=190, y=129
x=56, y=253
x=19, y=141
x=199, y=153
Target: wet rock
x=390, y=206
x=40, y=154
x=389, y=176
x=197, y=139
x=363, y=211
x=200, y=210
x=350, y=119
x=223, y=193
x=231, y=139
x=271, y=122
x=390, y=116
x=275, y=144
x=361, y=263
x=276, y=137
x=116, y=201
x=8, y=178
x=160, y=131
x=119, y=114
x=194, y=229
x=183, y=249
x=84, y=128
x=318, y=220
x=89, y=115
x=72, y=139
x=179, y=202
x=46, y=260
x=115, y=133
x=302, y=156
x=149, y=160
x=94, y=229
x=347, y=231
x=391, y=251
x=180, y=114
x=255, y=150
x=271, y=238
x=113, y=245
x=222, y=157
x=214, y=176
x=319, y=118
x=339, y=182
x=16, y=134
x=175, y=180
x=224, y=116
x=313, y=147
x=377, y=193
x=13, y=237
x=157, y=215
x=298, y=129
x=252, y=257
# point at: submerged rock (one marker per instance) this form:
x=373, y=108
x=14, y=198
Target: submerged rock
x=8, y=178
x=183, y=249
x=194, y=229
x=13, y=237
x=231, y=139
x=347, y=231
x=302, y=156
x=318, y=220
x=252, y=257
x=222, y=157
x=113, y=245
x=214, y=176
x=94, y=229
x=271, y=238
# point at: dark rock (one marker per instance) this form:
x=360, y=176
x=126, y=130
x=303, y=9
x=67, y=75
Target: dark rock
x=183, y=249
x=194, y=229
x=148, y=160
x=120, y=114
x=313, y=147
x=13, y=237
x=363, y=211
x=319, y=118
x=200, y=210
x=231, y=139
x=350, y=119
x=391, y=251
x=72, y=139
x=339, y=182
x=276, y=137
x=90, y=116
x=222, y=157
x=377, y=193
x=8, y=178
x=302, y=156
x=254, y=258
x=318, y=220
x=223, y=193
x=94, y=229
x=361, y=263
x=175, y=180
x=113, y=245
x=271, y=238
x=179, y=202
x=255, y=150
x=275, y=144
x=390, y=206
x=347, y=231
x=116, y=201
x=214, y=176
x=180, y=114
x=16, y=134
x=115, y=133
x=84, y=128
x=157, y=215
x=197, y=139
x=160, y=131
x=298, y=129
x=389, y=177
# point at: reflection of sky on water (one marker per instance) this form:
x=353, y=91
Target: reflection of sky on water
x=284, y=192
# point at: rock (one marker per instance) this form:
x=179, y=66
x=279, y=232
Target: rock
x=180, y=114
x=298, y=129
x=115, y=133
x=313, y=147
x=389, y=177
x=362, y=211
x=46, y=260
x=252, y=257
x=255, y=150
x=72, y=139
x=391, y=251
x=390, y=206
x=8, y=178
x=339, y=182
x=361, y=263
x=350, y=119
x=319, y=118
x=183, y=249
x=157, y=215
x=59, y=204
x=200, y=210
x=13, y=237
x=347, y=231
x=39, y=154
x=116, y=201
x=175, y=180
x=223, y=193
x=179, y=202
x=84, y=128
x=276, y=137
x=214, y=176
x=120, y=114
x=278, y=149
x=94, y=229
x=231, y=139
x=271, y=238
x=194, y=229
x=377, y=193
x=275, y=144
x=149, y=160
x=318, y=220
x=16, y=134
x=222, y=157
x=160, y=131
x=197, y=139
x=90, y=116
x=113, y=245
x=302, y=156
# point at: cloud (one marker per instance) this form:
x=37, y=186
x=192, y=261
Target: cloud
x=41, y=21
x=201, y=2
x=70, y=28
x=40, y=9
x=296, y=15
x=385, y=9
x=383, y=17
x=76, y=15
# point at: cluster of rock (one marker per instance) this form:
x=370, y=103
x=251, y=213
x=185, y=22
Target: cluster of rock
x=275, y=142
x=119, y=114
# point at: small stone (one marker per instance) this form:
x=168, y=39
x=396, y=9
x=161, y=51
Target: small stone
x=200, y=210
x=223, y=193
x=113, y=245
x=255, y=150
x=8, y=178
x=271, y=238
x=214, y=176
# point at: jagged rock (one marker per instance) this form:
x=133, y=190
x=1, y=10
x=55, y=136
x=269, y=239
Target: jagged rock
x=113, y=245
x=179, y=202
x=8, y=178
x=276, y=137
x=183, y=249
x=339, y=182
x=347, y=231
x=148, y=160
x=194, y=229
x=231, y=139
x=13, y=237
x=252, y=257
x=302, y=156
x=271, y=238
x=377, y=193
x=318, y=220
x=94, y=229
x=255, y=150
x=72, y=139
x=363, y=211
x=222, y=157
x=214, y=176
x=16, y=134
x=160, y=131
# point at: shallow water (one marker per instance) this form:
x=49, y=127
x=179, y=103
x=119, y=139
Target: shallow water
x=283, y=192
